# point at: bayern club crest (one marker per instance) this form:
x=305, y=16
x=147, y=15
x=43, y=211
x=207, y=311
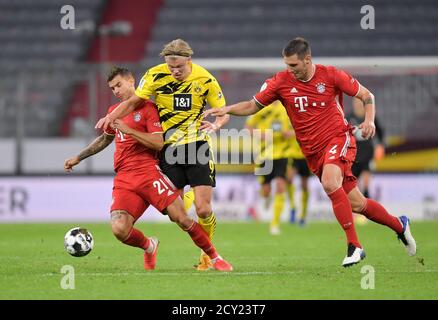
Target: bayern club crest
x=137, y=117
x=320, y=87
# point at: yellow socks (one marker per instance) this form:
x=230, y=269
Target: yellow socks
x=208, y=224
x=279, y=200
x=189, y=198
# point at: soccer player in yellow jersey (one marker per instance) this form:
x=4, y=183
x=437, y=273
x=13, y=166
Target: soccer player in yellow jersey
x=274, y=120
x=181, y=90
x=299, y=166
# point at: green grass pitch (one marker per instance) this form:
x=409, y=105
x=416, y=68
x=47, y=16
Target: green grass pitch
x=301, y=263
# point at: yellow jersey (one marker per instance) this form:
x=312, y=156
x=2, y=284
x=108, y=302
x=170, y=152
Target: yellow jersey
x=273, y=117
x=296, y=152
x=181, y=103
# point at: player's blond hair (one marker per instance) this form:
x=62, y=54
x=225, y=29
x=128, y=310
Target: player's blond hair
x=177, y=47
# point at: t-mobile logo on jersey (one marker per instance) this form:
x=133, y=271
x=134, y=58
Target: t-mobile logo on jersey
x=302, y=102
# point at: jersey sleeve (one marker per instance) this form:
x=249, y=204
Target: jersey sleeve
x=153, y=123
x=215, y=97
x=144, y=89
x=346, y=83
x=268, y=93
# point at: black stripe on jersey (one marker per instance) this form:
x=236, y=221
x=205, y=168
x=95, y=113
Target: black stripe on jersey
x=167, y=116
x=169, y=88
x=160, y=75
x=187, y=89
x=199, y=114
x=208, y=81
x=177, y=125
x=204, y=95
x=161, y=109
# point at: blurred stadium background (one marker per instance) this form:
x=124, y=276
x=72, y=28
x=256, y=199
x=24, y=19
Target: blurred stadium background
x=53, y=90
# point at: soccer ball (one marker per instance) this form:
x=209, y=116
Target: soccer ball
x=78, y=242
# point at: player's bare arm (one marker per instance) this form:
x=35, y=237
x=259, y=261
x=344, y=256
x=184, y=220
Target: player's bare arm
x=100, y=143
x=244, y=108
x=367, y=126
x=153, y=141
x=123, y=109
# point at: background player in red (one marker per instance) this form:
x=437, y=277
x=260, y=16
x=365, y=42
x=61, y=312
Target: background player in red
x=312, y=95
x=139, y=181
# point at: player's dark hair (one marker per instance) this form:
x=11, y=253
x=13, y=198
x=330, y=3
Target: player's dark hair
x=298, y=46
x=115, y=71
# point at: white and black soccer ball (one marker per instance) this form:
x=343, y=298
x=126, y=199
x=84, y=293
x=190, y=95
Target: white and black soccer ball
x=78, y=242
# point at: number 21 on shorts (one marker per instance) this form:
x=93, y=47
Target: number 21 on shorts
x=161, y=187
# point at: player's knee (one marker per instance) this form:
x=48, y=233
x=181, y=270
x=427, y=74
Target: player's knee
x=121, y=232
x=182, y=220
x=330, y=185
x=120, y=226
x=178, y=215
x=203, y=209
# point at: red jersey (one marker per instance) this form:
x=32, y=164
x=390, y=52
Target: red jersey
x=131, y=154
x=314, y=107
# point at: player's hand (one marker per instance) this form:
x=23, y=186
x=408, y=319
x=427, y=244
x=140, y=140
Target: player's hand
x=103, y=123
x=215, y=112
x=368, y=129
x=121, y=126
x=208, y=126
x=70, y=163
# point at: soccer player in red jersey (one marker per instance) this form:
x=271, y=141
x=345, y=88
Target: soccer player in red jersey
x=139, y=181
x=312, y=95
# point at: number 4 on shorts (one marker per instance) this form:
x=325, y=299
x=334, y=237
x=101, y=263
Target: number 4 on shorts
x=333, y=149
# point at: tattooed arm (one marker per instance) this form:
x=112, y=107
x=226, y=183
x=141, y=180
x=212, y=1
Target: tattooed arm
x=368, y=127
x=100, y=143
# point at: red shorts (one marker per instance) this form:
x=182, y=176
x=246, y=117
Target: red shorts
x=341, y=151
x=134, y=191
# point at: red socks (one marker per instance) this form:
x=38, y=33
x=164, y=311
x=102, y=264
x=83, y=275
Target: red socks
x=377, y=213
x=200, y=238
x=344, y=214
x=137, y=239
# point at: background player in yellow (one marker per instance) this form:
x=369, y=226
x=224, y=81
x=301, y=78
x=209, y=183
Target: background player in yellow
x=298, y=166
x=273, y=120
x=181, y=89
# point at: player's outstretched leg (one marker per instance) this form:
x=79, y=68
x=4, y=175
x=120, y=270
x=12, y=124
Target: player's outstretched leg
x=377, y=213
x=406, y=237
x=209, y=226
x=199, y=236
x=122, y=225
